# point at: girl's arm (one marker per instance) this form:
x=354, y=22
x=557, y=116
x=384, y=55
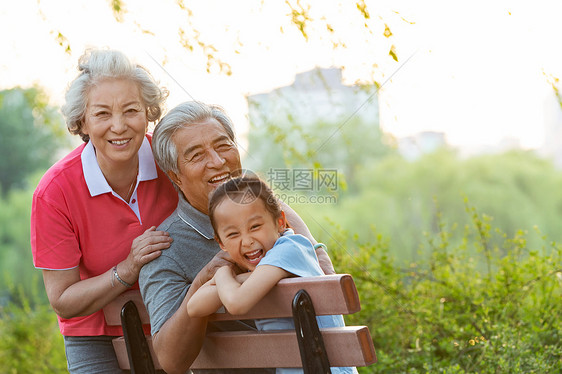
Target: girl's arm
x=205, y=301
x=240, y=298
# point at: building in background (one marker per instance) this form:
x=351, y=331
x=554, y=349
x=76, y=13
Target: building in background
x=316, y=95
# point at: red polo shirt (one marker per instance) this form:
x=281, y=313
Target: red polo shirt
x=78, y=221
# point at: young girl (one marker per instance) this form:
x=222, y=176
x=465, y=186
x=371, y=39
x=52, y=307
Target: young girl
x=250, y=225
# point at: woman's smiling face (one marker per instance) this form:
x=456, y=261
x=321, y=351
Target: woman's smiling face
x=115, y=121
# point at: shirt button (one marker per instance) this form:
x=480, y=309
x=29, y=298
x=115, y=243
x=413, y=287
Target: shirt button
x=133, y=201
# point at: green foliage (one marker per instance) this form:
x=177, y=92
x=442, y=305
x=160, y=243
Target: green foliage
x=31, y=341
x=444, y=314
x=406, y=200
x=440, y=314
x=31, y=132
x=16, y=262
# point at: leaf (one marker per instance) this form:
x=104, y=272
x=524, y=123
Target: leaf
x=387, y=32
x=63, y=42
x=392, y=53
x=118, y=9
x=300, y=17
x=362, y=7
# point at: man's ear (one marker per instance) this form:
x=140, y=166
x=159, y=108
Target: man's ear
x=174, y=177
x=281, y=223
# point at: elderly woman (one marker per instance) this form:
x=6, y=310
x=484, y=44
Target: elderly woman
x=195, y=145
x=94, y=213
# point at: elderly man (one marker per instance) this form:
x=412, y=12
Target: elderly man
x=194, y=144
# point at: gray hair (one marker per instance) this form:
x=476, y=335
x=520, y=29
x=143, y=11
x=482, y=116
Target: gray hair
x=96, y=65
x=185, y=114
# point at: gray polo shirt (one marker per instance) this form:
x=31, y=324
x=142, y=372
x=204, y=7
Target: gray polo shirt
x=164, y=281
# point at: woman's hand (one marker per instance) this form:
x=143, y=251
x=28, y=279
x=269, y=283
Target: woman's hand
x=144, y=249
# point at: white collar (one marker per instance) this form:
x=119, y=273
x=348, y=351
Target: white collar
x=94, y=177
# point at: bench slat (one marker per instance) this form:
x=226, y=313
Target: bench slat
x=339, y=289
x=247, y=349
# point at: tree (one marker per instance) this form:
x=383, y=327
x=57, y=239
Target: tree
x=16, y=263
x=408, y=202
x=31, y=134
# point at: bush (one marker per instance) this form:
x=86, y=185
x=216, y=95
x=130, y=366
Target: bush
x=31, y=341
x=472, y=308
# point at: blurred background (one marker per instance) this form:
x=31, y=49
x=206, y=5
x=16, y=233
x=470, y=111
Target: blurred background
x=422, y=141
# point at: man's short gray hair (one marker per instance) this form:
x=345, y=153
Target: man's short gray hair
x=96, y=65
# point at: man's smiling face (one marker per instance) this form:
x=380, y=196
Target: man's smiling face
x=206, y=158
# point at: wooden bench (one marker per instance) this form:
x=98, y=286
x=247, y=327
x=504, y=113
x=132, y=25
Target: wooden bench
x=300, y=298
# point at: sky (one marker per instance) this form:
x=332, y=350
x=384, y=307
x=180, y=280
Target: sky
x=477, y=71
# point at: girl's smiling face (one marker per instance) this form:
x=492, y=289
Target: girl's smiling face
x=247, y=230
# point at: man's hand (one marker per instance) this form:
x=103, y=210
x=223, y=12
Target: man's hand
x=208, y=272
x=325, y=261
x=241, y=278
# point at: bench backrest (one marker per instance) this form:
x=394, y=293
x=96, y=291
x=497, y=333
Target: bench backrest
x=330, y=294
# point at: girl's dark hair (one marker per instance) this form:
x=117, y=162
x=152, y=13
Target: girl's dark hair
x=244, y=190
